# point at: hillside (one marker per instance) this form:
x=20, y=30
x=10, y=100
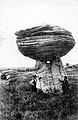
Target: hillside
x=18, y=102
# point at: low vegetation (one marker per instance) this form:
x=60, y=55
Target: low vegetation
x=20, y=103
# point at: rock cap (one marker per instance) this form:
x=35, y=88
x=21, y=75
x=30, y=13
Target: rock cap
x=44, y=42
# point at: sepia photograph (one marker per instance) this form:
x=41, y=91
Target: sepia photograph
x=38, y=59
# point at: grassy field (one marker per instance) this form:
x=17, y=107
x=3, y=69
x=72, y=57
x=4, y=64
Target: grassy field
x=18, y=102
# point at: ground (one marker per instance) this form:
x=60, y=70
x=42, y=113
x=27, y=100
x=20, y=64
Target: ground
x=18, y=102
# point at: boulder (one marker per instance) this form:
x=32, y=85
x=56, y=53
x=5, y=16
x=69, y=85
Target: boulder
x=42, y=43
x=46, y=44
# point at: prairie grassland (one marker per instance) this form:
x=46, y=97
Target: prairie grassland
x=18, y=102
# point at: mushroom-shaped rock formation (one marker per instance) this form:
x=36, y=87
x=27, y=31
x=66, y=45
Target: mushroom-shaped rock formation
x=46, y=44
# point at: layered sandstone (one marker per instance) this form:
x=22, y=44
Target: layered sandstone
x=46, y=44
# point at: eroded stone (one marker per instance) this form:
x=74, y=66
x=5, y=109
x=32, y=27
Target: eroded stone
x=50, y=75
x=46, y=44
x=42, y=43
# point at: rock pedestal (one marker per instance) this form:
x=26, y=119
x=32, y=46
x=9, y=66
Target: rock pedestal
x=50, y=75
x=46, y=44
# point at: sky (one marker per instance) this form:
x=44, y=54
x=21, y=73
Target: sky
x=22, y=14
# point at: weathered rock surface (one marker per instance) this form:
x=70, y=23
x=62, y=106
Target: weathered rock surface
x=44, y=42
x=45, y=79
x=50, y=75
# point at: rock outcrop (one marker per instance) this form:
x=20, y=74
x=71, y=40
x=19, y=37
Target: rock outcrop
x=46, y=43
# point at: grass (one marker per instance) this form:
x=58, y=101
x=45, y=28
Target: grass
x=20, y=103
